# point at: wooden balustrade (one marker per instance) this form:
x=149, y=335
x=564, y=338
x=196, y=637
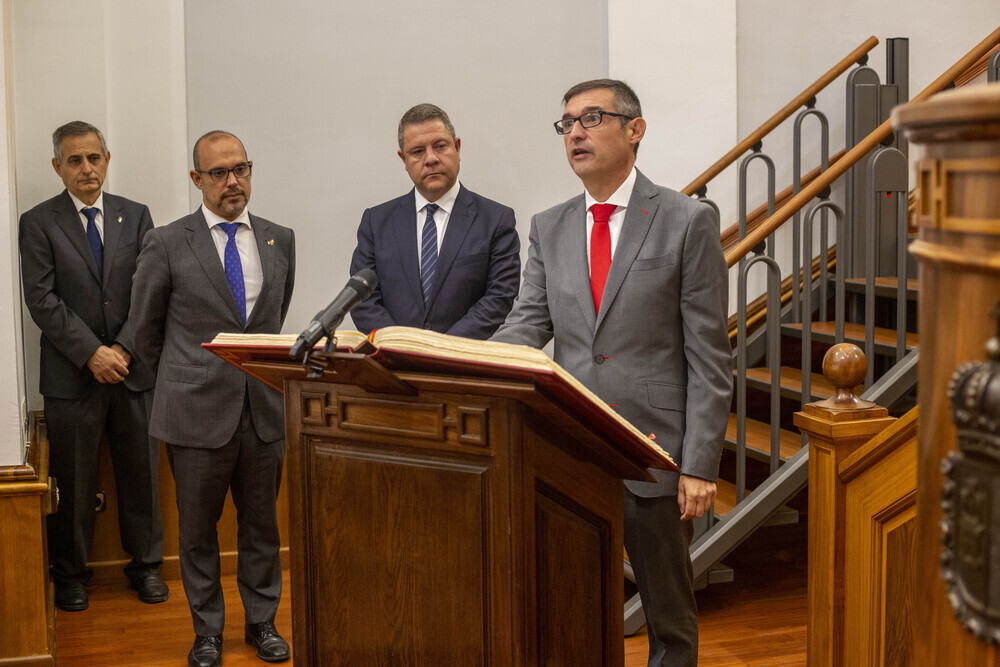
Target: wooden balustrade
x=838, y=428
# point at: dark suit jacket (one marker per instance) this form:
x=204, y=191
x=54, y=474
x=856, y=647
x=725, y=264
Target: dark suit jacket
x=77, y=309
x=180, y=300
x=477, y=270
x=658, y=349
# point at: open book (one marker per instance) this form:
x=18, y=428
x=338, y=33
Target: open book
x=410, y=349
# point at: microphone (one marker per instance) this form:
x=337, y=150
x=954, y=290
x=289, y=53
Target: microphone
x=358, y=288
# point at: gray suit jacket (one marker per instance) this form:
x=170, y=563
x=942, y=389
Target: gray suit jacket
x=77, y=309
x=180, y=300
x=658, y=350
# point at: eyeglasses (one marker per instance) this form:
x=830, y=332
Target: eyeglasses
x=220, y=174
x=587, y=119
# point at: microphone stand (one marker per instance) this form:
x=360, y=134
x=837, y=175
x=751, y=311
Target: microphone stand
x=317, y=365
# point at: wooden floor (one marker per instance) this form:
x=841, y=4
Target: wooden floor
x=759, y=619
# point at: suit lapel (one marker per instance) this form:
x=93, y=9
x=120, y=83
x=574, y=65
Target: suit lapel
x=639, y=215
x=404, y=233
x=574, y=230
x=114, y=218
x=459, y=223
x=202, y=245
x=265, y=250
x=68, y=219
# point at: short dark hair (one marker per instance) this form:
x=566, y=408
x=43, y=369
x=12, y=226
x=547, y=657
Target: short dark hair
x=422, y=113
x=76, y=128
x=212, y=135
x=626, y=101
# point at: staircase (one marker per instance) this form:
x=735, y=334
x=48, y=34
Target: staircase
x=861, y=289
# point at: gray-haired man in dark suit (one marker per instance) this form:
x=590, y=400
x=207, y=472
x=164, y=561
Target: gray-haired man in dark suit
x=78, y=254
x=220, y=269
x=629, y=280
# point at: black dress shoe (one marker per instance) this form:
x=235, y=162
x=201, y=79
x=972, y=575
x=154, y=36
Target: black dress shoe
x=150, y=587
x=72, y=596
x=269, y=644
x=206, y=652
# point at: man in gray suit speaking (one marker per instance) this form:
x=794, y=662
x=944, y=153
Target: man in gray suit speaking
x=78, y=254
x=220, y=269
x=630, y=281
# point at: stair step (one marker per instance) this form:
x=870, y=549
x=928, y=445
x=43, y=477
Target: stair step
x=725, y=498
x=826, y=332
x=759, y=440
x=791, y=383
x=884, y=287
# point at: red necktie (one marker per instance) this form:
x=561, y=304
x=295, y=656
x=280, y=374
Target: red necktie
x=600, y=250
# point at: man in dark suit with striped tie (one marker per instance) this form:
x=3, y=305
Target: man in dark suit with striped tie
x=447, y=259
x=78, y=254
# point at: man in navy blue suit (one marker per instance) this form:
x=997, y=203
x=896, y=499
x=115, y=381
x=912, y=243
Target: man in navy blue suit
x=447, y=259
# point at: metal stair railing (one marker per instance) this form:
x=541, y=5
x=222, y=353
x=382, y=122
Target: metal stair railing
x=750, y=513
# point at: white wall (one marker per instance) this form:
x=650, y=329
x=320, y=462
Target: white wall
x=11, y=389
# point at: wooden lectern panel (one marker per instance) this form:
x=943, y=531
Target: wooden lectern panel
x=401, y=529
x=447, y=528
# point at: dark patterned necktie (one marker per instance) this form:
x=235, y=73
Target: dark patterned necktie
x=234, y=268
x=94, y=238
x=428, y=252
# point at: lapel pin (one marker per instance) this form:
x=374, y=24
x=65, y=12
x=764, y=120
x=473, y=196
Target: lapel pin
x=119, y=218
x=270, y=242
x=646, y=212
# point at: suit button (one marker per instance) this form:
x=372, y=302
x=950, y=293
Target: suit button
x=599, y=359
x=107, y=301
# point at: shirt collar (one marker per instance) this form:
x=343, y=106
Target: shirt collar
x=212, y=219
x=78, y=204
x=621, y=196
x=445, y=202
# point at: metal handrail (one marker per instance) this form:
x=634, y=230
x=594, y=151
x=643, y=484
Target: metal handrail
x=776, y=120
x=863, y=147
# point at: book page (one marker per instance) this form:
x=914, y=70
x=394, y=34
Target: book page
x=345, y=338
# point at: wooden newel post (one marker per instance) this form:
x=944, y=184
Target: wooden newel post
x=836, y=427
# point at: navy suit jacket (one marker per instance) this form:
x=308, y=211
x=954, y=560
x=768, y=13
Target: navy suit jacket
x=477, y=272
x=78, y=309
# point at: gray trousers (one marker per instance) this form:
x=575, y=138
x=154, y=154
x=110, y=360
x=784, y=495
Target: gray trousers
x=252, y=470
x=657, y=542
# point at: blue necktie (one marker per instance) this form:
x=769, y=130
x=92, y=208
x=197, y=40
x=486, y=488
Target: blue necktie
x=94, y=238
x=234, y=268
x=428, y=252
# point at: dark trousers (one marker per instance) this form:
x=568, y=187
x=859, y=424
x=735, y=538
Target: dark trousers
x=657, y=542
x=74, y=432
x=252, y=470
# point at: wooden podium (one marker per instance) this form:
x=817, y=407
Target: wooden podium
x=448, y=519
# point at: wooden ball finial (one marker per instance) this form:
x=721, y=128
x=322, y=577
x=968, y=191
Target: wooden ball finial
x=845, y=366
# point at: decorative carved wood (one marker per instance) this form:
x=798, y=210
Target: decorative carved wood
x=959, y=253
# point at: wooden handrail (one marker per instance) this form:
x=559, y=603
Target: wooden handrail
x=776, y=120
x=851, y=158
